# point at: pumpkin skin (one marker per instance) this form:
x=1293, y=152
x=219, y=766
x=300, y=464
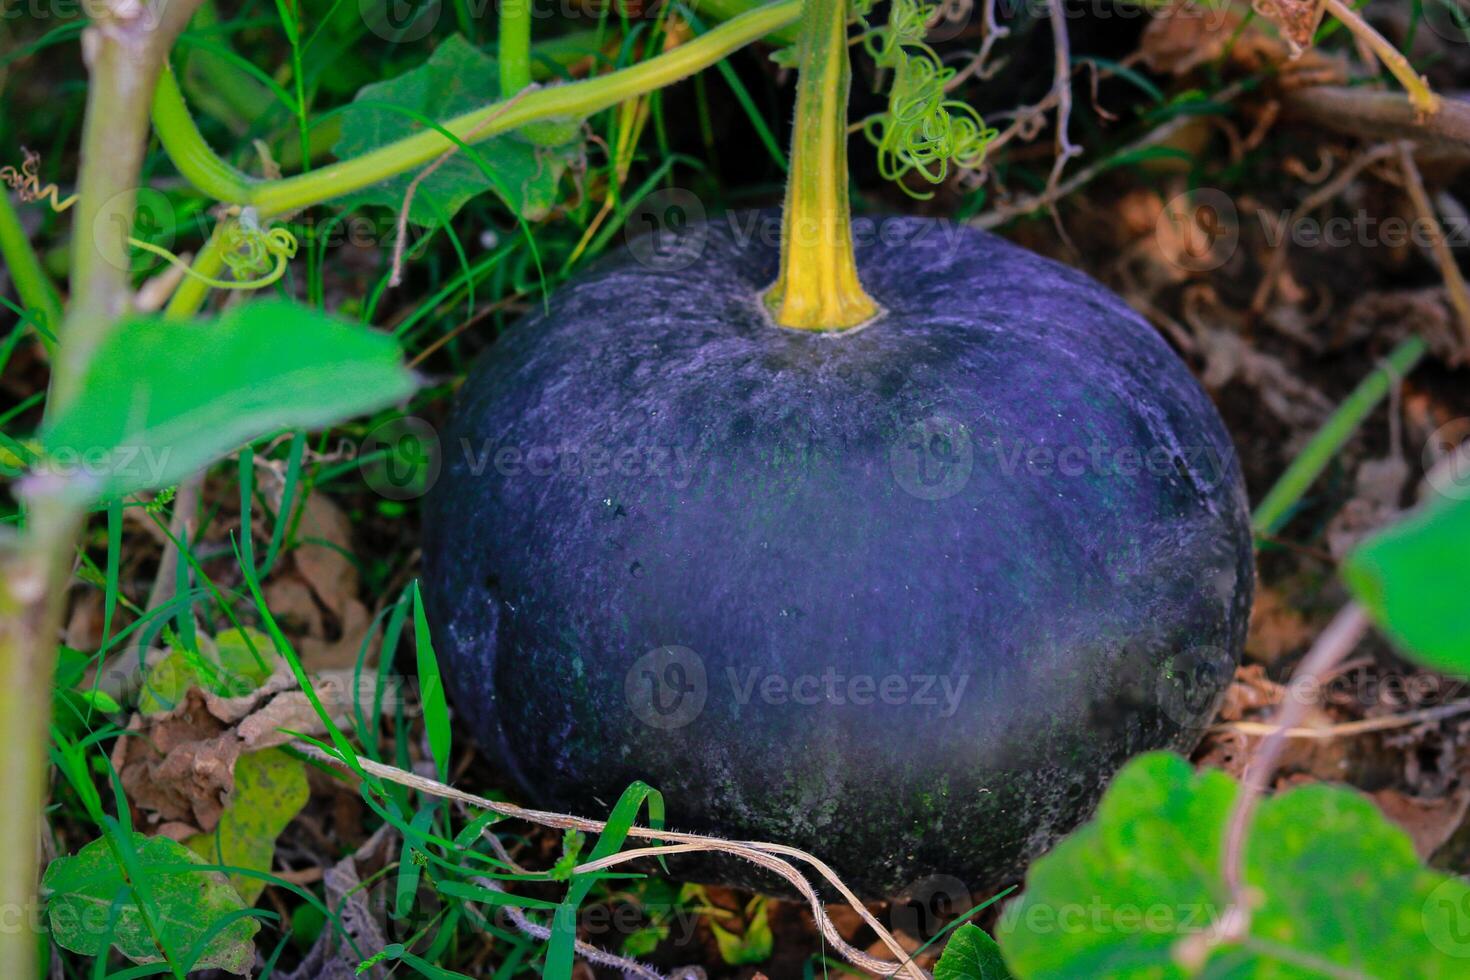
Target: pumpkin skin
x=905, y=596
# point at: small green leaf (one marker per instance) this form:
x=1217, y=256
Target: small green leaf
x=752, y=946
x=1414, y=579
x=971, y=954
x=431, y=688
x=270, y=789
x=456, y=79
x=1138, y=891
x=187, y=903
x=164, y=397
x=231, y=665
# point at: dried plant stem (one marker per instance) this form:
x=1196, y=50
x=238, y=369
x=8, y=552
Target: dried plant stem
x=1335, y=643
x=766, y=855
x=1366, y=726
x=1419, y=93
x=1449, y=269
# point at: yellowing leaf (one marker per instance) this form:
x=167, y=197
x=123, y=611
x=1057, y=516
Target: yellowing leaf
x=270, y=789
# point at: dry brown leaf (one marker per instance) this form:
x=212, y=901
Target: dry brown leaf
x=1430, y=823
x=1182, y=36
x=178, y=769
x=1297, y=20
x=1276, y=628
x=322, y=558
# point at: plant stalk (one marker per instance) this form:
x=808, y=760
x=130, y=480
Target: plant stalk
x=206, y=171
x=818, y=287
x=513, y=46
x=123, y=47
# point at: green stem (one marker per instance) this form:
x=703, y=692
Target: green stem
x=1273, y=511
x=211, y=175
x=818, y=286
x=514, y=46
x=31, y=284
x=125, y=47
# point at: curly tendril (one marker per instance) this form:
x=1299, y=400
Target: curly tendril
x=923, y=132
x=249, y=250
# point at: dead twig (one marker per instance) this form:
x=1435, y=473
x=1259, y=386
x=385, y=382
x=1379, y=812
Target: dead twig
x=766, y=855
x=1449, y=269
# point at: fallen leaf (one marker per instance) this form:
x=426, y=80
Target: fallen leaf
x=1297, y=20
x=1430, y=823
x=270, y=789
x=91, y=903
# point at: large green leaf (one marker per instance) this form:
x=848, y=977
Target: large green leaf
x=91, y=902
x=971, y=954
x=1136, y=891
x=456, y=79
x=270, y=789
x=164, y=397
x=1414, y=578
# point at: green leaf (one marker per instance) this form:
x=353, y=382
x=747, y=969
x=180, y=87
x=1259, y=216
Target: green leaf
x=164, y=397
x=431, y=688
x=89, y=891
x=231, y=665
x=456, y=79
x=752, y=946
x=971, y=954
x=1414, y=579
x=1137, y=891
x=270, y=789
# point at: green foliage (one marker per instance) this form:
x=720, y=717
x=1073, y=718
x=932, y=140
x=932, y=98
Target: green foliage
x=1414, y=578
x=1138, y=890
x=431, y=688
x=164, y=397
x=232, y=664
x=456, y=79
x=559, y=953
x=270, y=789
x=754, y=944
x=93, y=903
x=971, y=954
